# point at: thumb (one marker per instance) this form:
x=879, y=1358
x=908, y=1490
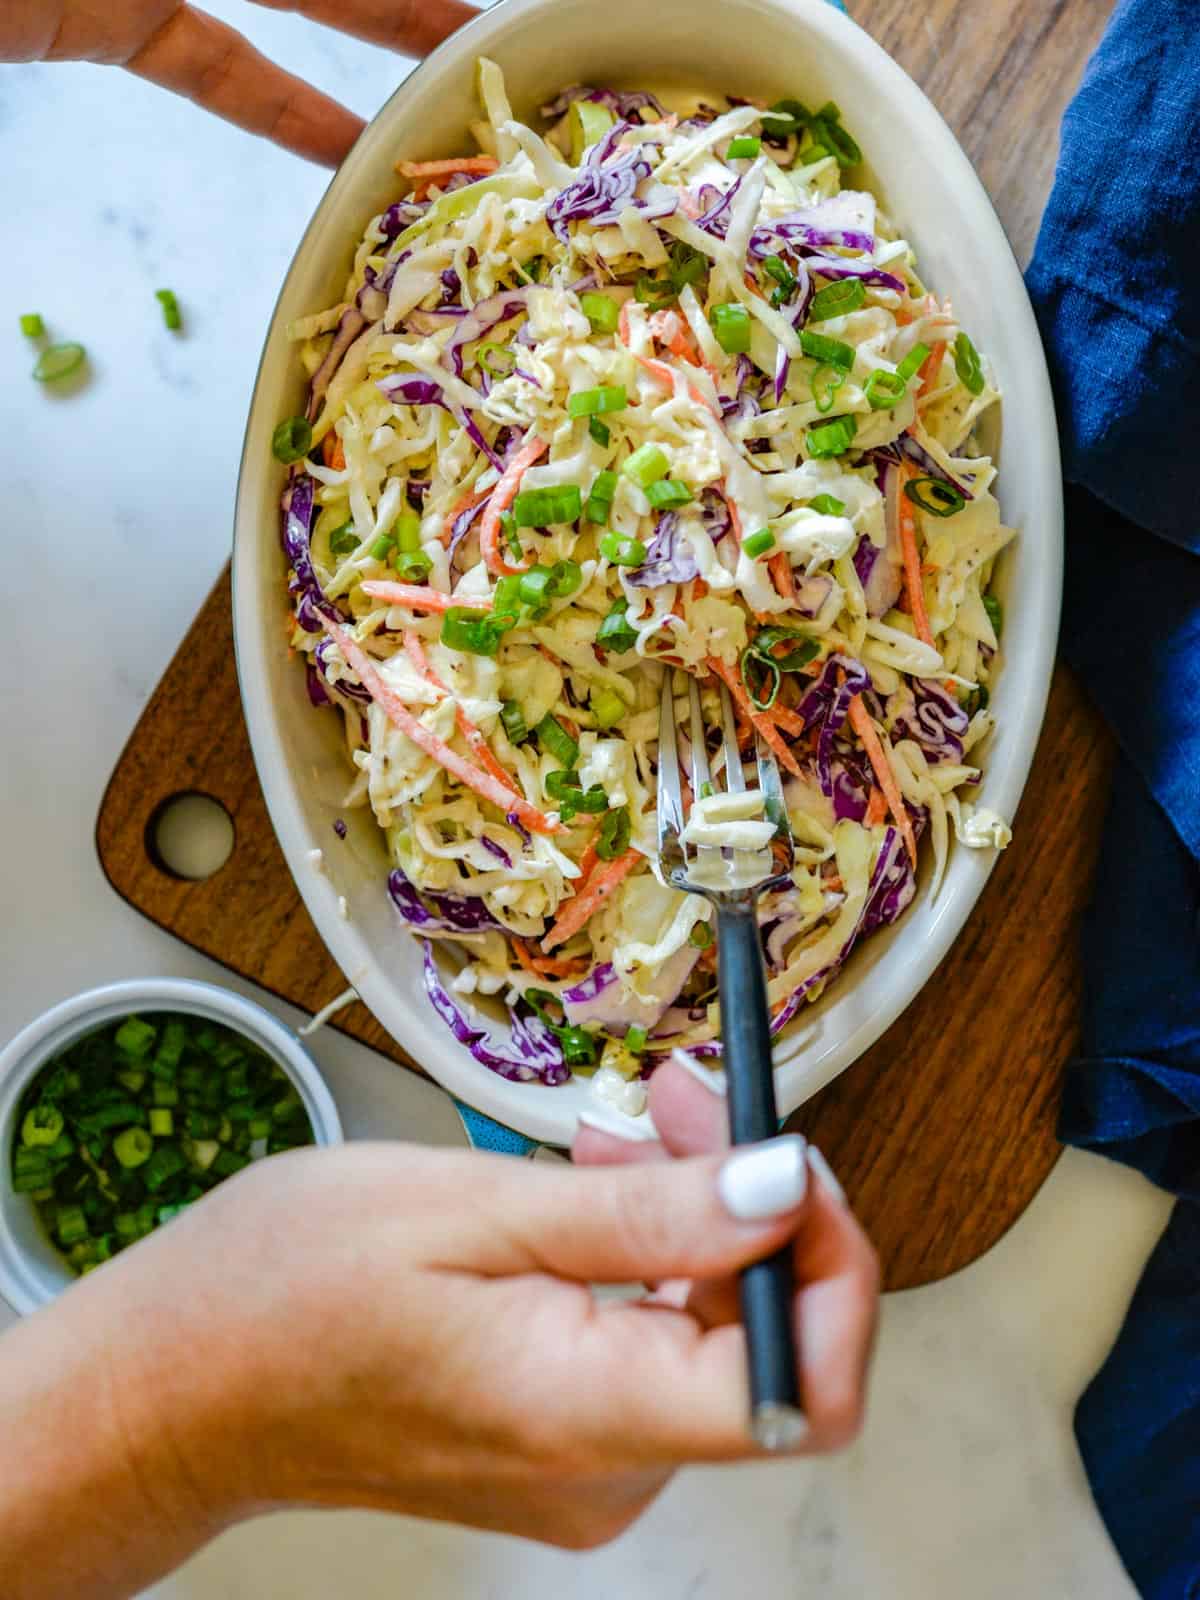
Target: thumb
x=697, y=1218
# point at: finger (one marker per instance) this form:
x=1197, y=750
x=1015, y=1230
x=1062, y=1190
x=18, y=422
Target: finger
x=199, y=57
x=688, y=1107
x=414, y=27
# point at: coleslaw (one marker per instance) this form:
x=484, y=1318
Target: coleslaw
x=649, y=390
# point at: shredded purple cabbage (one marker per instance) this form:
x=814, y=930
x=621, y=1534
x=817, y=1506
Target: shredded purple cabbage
x=933, y=718
x=532, y=1050
x=827, y=705
x=497, y=850
x=480, y=320
x=350, y=324
x=318, y=695
x=452, y=913
x=718, y=205
x=400, y=216
x=339, y=827
x=601, y=191
x=622, y=104
x=667, y=559
x=343, y=686
x=304, y=585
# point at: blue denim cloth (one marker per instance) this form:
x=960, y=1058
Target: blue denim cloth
x=1116, y=283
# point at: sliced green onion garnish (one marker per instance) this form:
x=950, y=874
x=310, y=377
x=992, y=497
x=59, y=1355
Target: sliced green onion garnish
x=831, y=438
x=592, y=803
x=514, y=721
x=589, y=121
x=506, y=601
x=778, y=269
x=635, y=1039
x=995, y=613
x=827, y=127
x=135, y=1037
x=170, y=307
x=615, y=832
x=798, y=648
x=967, y=364
x=701, y=936
x=759, y=543
x=469, y=632
x=58, y=361
x=645, y=466
x=512, y=539
x=343, y=540
x=615, y=632
x=32, y=325
x=598, y=431
x=496, y=358
x=829, y=352
x=824, y=389
x=600, y=496
x=932, y=495
x=667, y=494
x=837, y=299
x=828, y=504
x=744, y=148
x=534, y=586
x=687, y=265
x=561, y=783
x=162, y=1122
x=541, y=508
x=72, y=1225
x=762, y=678
x=412, y=565
x=622, y=552
x=406, y=530
x=578, y=1046
x=657, y=292
x=884, y=389
x=556, y=741
x=913, y=362
x=785, y=118
x=292, y=440
x=731, y=328
x=601, y=311
x=590, y=402
x=133, y=1147
x=379, y=548
x=607, y=707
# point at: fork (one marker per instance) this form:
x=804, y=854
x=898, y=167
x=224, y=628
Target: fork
x=731, y=881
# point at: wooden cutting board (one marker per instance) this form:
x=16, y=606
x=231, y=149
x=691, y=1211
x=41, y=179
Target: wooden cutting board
x=943, y=1131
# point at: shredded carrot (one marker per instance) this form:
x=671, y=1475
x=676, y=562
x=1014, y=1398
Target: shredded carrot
x=787, y=718
x=667, y=374
x=480, y=749
x=548, y=966
x=780, y=568
x=333, y=453
x=877, y=807
x=735, y=521
x=600, y=884
x=760, y=720
x=502, y=496
x=623, y=323
x=469, y=500
x=860, y=721
x=401, y=717
x=418, y=598
x=587, y=864
x=441, y=169
x=699, y=589
x=912, y=563
x=930, y=368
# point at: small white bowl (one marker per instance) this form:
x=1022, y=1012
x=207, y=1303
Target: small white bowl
x=32, y=1272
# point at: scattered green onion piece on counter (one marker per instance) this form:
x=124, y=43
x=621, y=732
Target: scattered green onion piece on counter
x=829, y=352
x=616, y=830
x=58, y=361
x=292, y=440
x=615, y=633
x=884, y=389
x=635, y=1039
x=823, y=398
x=32, y=325
x=513, y=719
x=995, y=613
x=743, y=148
x=412, y=565
x=170, y=308
x=607, y=707
x=913, y=362
x=343, y=540
x=542, y=508
x=668, y=494
x=837, y=299
x=134, y=1147
x=645, y=466
x=762, y=678
x=968, y=365
x=601, y=311
x=932, y=495
x=42, y=1125
x=759, y=543
x=701, y=936
x=556, y=741
x=622, y=552
x=731, y=328
x=832, y=438
x=828, y=505
x=600, y=496
x=467, y=631
x=590, y=402
x=598, y=431
x=496, y=359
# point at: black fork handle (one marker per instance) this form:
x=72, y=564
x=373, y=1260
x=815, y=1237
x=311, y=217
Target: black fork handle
x=766, y=1287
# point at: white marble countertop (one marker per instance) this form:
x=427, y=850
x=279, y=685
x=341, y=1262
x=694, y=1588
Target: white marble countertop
x=966, y=1481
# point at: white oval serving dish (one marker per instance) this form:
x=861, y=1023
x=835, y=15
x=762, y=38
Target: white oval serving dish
x=771, y=48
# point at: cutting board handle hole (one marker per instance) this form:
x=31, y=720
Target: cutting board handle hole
x=190, y=836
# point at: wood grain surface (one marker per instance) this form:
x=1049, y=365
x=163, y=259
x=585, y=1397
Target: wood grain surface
x=943, y=1131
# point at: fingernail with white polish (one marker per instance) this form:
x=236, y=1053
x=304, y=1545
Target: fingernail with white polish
x=713, y=1080
x=616, y=1126
x=824, y=1175
x=764, y=1180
